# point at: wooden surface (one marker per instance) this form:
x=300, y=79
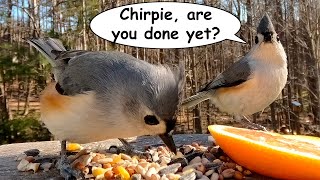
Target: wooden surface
x=8, y=166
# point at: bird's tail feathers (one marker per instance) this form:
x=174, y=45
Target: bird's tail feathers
x=195, y=99
x=48, y=47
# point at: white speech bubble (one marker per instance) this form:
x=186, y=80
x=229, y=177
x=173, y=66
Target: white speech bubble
x=173, y=25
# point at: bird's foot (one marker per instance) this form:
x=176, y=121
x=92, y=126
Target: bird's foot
x=257, y=127
x=254, y=125
x=67, y=171
x=130, y=150
x=66, y=165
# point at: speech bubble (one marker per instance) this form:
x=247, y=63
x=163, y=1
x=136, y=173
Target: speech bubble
x=166, y=25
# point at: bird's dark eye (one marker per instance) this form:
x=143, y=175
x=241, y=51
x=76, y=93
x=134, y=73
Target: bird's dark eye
x=151, y=120
x=256, y=40
x=278, y=39
x=59, y=89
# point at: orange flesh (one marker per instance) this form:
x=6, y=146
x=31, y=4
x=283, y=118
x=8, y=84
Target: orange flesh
x=277, y=140
x=271, y=154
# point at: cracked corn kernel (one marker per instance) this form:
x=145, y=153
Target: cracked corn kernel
x=96, y=171
x=116, y=159
x=123, y=173
x=74, y=147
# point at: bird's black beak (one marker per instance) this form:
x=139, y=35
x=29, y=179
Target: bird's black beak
x=167, y=136
x=267, y=36
x=168, y=141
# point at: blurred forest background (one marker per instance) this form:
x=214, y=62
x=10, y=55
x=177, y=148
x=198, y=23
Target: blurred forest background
x=24, y=73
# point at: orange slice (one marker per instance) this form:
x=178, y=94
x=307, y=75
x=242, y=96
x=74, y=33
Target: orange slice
x=271, y=154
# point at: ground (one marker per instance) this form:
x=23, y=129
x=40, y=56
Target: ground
x=8, y=166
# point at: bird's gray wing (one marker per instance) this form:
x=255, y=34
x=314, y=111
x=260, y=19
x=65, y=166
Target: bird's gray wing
x=236, y=74
x=67, y=55
x=66, y=84
x=99, y=71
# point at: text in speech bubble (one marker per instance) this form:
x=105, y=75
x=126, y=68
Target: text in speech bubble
x=166, y=25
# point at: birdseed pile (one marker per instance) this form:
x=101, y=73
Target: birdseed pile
x=192, y=162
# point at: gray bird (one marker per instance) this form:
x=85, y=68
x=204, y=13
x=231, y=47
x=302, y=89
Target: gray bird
x=253, y=82
x=104, y=95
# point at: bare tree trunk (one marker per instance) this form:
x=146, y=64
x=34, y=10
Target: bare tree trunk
x=249, y=22
x=84, y=25
x=7, y=31
x=208, y=77
x=161, y=56
x=294, y=69
x=27, y=100
x=196, y=110
x=36, y=6
x=19, y=99
x=134, y=52
x=4, y=115
x=110, y=45
x=274, y=122
x=301, y=75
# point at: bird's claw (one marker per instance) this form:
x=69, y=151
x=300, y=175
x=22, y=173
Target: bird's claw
x=140, y=154
x=254, y=125
x=67, y=171
x=258, y=127
x=130, y=151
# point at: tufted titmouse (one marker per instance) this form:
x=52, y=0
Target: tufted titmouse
x=104, y=95
x=253, y=82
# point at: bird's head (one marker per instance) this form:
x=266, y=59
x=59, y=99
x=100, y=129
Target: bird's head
x=266, y=32
x=161, y=95
x=267, y=43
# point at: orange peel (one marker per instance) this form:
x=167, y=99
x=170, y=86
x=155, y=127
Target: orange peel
x=270, y=154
